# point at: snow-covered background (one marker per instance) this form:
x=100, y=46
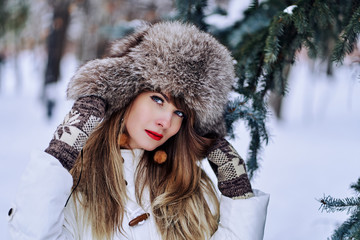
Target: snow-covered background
x=314, y=150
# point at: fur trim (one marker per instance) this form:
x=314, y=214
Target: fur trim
x=172, y=57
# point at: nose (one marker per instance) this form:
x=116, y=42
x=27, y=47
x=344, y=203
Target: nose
x=164, y=120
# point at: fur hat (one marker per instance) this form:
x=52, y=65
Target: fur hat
x=171, y=57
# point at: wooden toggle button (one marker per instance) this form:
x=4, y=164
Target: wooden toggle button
x=138, y=219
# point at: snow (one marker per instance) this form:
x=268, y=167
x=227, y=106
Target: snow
x=24, y=126
x=314, y=150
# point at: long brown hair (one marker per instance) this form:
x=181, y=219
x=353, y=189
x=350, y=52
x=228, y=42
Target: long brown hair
x=182, y=196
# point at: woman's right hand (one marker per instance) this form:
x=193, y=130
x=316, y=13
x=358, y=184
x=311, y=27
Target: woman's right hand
x=71, y=135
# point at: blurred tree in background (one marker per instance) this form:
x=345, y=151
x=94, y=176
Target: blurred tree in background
x=56, y=42
x=13, y=16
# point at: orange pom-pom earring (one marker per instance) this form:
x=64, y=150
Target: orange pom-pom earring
x=160, y=156
x=122, y=140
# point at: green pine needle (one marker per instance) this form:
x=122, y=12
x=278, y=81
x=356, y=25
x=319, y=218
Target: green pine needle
x=348, y=38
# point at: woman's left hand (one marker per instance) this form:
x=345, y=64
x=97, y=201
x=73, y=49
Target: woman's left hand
x=230, y=170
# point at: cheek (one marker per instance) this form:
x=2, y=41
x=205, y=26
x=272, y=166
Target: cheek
x=176, y=125
x=138, y=114
x=135, y=121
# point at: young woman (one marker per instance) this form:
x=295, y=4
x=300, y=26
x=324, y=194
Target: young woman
x=126, y=163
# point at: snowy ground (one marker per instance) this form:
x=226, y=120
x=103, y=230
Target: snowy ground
x=313, y=151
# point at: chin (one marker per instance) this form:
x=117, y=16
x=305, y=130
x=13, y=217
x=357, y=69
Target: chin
x=145, y=144
x=148, y=147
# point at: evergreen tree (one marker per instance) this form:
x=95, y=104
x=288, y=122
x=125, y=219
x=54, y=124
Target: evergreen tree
x=265, y=42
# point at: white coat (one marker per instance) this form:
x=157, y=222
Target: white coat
x=38, y=211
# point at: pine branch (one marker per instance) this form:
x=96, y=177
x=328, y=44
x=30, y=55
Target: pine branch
x=321, y=15
x=350, y=229
x=253, y=6
x=255, y=147
x=255, y=120
x=310, y=46
x=192, y=11
x=356, y=186
x=330, y=204
x=250, y=57
x=272, y=46
x=300, y=17
x=348, y=38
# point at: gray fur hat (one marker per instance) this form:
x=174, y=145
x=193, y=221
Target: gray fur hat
x=171, y=57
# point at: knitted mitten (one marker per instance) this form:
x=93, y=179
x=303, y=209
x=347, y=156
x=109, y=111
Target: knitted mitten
x=70, y=136
x=230, y=170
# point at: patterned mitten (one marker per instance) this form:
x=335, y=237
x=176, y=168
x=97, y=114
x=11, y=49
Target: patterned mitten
x=70, y=136
x=230, y=170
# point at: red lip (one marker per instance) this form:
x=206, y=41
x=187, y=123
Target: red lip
x=154, y=135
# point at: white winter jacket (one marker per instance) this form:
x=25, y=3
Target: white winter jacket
x=38, y=211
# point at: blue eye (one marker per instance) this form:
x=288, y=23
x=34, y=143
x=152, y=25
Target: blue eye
x=180, y=114
x=157, y=99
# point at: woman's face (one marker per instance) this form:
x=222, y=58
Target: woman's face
x=152, y=120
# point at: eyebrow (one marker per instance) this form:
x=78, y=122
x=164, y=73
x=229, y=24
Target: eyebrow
x=166, y=97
